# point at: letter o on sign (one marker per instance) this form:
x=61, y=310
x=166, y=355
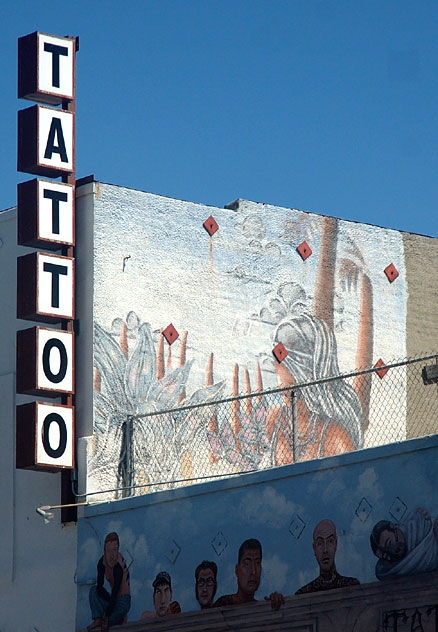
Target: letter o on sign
x=55, y=361
x=54, y=453
x=55, y=343
x=54, y=435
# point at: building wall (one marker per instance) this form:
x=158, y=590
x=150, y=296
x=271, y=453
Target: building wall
x=144, y=261
x=421, y=255
x=175, y=530
x=37, y=561
x=232, y=297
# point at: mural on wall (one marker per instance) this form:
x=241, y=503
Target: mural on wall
x=268, y=536
x=407, y=548
x=131, y=385
x=162, y=597
x=325, y=543
x=237, y=295
x=110, y=608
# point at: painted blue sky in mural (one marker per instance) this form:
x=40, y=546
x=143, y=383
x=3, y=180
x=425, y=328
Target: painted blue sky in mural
x=175, y=531
x=325, y=106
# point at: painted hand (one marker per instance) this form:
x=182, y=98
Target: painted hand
x=276, y=599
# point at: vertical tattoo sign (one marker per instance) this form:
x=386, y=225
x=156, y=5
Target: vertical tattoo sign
x=45, y=431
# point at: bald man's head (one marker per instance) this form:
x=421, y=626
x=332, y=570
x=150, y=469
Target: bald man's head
x=325, y=542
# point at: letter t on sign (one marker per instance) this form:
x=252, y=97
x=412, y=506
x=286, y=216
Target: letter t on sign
x=46, y=68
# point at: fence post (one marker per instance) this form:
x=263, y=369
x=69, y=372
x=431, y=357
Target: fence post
x=125, y=469
x=294, y=424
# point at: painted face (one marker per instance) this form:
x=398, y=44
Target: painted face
x=392, y=545
x=325, y=543
x=205, y=587
x=248, y=572
x=162, y=598
x=111, y=553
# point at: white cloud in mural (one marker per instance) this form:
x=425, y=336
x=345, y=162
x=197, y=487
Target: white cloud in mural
x=126, y=534
x=305, y=577
x=140, y=551
x=369, y=484
x=369, y=491
x=89, y=553
x=175, y=517
x=349, y=560
x=226, y=576
x=134, y=548
x=326, y=487
x=354, y=555
x=268, y=508
x=137, y=589
x=275, y=574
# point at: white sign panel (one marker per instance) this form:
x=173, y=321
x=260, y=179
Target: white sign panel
x=55, y=138
x=54, y=435
x=55, y=287
x=55, y=65
x=55, y=360
x=55, y=211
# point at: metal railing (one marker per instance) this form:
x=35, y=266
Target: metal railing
x=168, y=448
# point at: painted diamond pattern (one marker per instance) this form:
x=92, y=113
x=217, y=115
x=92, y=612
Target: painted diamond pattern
x=398, y=509
x=173, y=551
x=304, y=250
x=210, y=225
x=363, y=510
x=391, y=272
x=381, y=372
x=297, y=527
x=280, y=352
x=128, y=557
x=170, y=333
x=219, y=543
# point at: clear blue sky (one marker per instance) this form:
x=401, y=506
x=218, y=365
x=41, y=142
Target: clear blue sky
x=328, y=106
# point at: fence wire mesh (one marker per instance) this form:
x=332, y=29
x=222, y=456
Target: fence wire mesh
x=169, y=448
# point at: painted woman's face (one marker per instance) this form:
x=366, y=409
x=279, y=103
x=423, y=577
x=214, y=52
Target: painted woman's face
x=392, y=545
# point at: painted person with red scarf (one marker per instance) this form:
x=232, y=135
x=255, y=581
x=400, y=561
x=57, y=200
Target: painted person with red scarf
x=110, y=608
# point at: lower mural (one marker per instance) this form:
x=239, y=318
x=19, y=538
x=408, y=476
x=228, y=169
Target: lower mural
x=391, y=543
x=268, y=537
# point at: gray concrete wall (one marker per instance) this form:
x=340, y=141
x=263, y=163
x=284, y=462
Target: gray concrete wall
x=37, y=561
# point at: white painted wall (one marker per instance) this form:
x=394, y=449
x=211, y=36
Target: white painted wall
x=154, y=264
x=37, y=561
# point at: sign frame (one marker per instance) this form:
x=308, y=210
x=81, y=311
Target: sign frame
x=32, y=433
x=31, y=76
x=32, y=213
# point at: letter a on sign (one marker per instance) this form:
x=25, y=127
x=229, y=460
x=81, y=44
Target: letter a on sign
x=55, y=139
x=45, y=141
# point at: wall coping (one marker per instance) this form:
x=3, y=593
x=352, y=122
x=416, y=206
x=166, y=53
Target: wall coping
x=357, y=608
x=263, y=476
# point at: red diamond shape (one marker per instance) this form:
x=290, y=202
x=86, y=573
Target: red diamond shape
x=391, y=272
x=170, y=333
x=304, y=250
x=279, y=351
x=210, y=225
x=382, y=372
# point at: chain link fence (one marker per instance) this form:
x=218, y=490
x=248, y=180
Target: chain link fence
x=261, y=430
